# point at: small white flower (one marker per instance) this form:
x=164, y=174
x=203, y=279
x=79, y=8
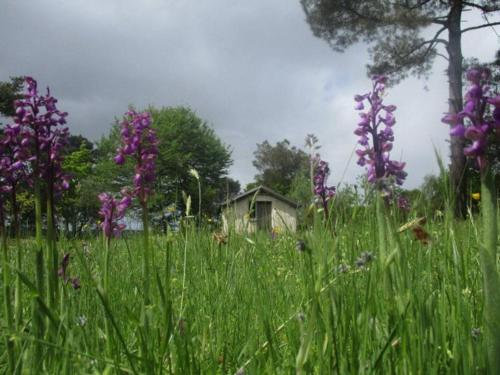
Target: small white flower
x=81, y=320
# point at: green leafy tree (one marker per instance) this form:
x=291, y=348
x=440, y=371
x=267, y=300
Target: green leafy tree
x=228, y=189
x=346, y=203
x=107, y=175
x=79, y=203
x=9, y=92
x=434, y=193
x=279, y=165
x=300, y=191
x=185, y=142
x=394, y=30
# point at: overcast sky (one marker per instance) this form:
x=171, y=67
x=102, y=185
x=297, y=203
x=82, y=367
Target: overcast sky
x=252, y=69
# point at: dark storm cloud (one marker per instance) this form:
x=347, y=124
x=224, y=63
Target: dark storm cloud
x=253, y=70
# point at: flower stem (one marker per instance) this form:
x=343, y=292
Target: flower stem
x=52, y=278
x=38, y=215
x=199, y=202
x=18, y=297
x=147, y=255
x=383, y=243
x=105, y=287
x=488, y=258
x=38, y=329
x=382, y=238
x=7, y=297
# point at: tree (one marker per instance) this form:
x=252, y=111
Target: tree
x=398, y=49
x=300, y=192
x=77, y=142
x=229, y=188
x=279, y=165
x=434, y=192
x=185, y=142
x=79, y=202
x=9, y=92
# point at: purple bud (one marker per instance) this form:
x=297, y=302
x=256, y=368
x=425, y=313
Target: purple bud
x=450, y=119
x=17, y=165
x=494, y=100
x=65, y=184
x=119, y=159
x=474, y=76
x=457, y=131
x=474, y=133
x=475, y=149
x=359, y=106
x=75, y=283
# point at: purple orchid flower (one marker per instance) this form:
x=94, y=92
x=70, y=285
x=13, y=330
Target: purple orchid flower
x=376, y=125
x=479, y=121
x=403, y=203
x=140, y=142
x=112, y=211
x=323, y=192
x=62, y=272
x=75, y=283
x=37, y=136
x=13, y=165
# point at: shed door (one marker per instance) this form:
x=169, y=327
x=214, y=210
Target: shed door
x=263, y=215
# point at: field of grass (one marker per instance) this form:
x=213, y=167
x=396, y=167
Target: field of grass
x=258, y=305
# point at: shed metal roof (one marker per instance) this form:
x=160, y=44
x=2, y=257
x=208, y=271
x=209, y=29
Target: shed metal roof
x=263, y=189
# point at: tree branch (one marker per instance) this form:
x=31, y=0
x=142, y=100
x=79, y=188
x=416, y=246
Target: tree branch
x=363, y=16
x=431, y=42
x=443, y=56
x=480, y=26
x=413, y=7
x=443, y=21
x=483, y=8
x=436, y=38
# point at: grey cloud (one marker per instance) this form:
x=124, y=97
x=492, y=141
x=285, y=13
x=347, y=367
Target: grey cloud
x=253, y=70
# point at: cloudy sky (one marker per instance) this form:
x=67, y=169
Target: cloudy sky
x=252, y=69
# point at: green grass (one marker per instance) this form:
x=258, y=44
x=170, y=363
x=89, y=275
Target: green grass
x=259, y=306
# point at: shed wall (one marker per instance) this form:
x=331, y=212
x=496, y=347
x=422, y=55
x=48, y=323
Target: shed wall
x=284, y=216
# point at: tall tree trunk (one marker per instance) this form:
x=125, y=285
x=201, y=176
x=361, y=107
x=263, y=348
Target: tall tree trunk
x=455, y=70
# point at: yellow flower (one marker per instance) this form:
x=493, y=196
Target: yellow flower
x=476, y=196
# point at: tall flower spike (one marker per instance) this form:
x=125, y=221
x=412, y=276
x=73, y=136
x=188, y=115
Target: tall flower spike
x=112, y=211
x=375, y=126
x=13, y=166
x=479, y=121
x=139, y=141
x=323, y=192
x=37, y=135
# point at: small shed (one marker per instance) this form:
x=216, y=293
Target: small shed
x=260, y=208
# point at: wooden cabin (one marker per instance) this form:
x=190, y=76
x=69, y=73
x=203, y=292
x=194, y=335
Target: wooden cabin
x=260, y=209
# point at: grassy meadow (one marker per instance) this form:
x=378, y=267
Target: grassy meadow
x=263, y=305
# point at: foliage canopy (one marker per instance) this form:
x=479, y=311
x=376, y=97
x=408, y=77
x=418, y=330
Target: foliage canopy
x=279, y=165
